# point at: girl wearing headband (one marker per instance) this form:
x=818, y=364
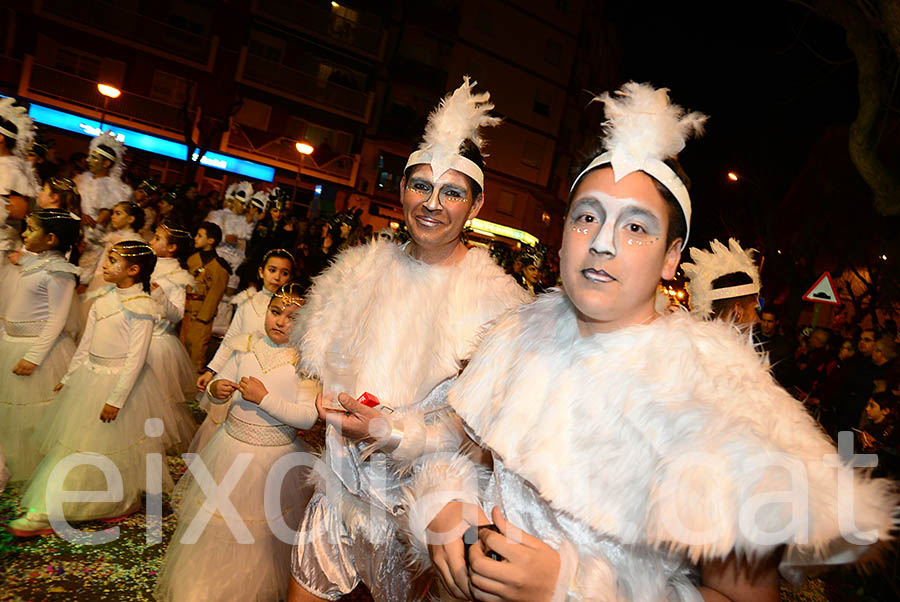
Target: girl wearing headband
x=34, y=349
x=104, y=406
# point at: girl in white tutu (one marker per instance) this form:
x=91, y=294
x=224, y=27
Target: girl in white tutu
x=276, y=269
x=34, y=350
x=253, y=523
x=167, y=357
x=125, y=222
x=105, y=403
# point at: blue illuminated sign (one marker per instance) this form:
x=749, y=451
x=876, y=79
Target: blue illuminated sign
x=153, y=144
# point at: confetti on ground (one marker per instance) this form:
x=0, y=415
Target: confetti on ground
x=51, y=568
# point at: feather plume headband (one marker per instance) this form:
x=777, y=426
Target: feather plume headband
x=459, y=117
x=719, y=261
x=260, y=200
x=18, y=116
x=242, y=191
x=108, y=138
x=643, y=129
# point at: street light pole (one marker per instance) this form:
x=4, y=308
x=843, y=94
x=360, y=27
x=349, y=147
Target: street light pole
x=108, y=92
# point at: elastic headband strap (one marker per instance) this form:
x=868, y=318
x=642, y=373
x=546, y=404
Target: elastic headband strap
x=7, y=133
x=459, y=163
x=654, y=167
x=731, y=292
x=103, y=153
x=271, y=252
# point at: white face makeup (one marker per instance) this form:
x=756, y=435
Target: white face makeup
x=614, y=250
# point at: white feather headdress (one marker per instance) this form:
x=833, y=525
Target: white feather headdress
x=719, y=261
x=459, y=117
x=643, y=128
x=242, y=191
x=260, y=199
x=18, y=116
x=108, y=138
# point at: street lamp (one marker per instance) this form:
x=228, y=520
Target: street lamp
x=108, y=92
x=733, y=176
x=305, y=148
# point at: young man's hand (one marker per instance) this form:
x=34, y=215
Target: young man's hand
x=446, y=547
x=109, y=413
x=529, y=569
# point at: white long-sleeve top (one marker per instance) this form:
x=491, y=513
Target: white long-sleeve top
x=120, y=326
x=249, y=318
x=172, y=280
x=101, y=193
x=290, y=399
x=16, y=174
x=41, y=295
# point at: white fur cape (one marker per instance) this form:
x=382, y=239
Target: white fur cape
x=650, y=435
x=409, y=325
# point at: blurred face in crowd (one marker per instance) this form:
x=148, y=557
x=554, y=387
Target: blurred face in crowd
x=743, y=314
x=531, y=274
x=768, y=324
x=846, y=351
x=866, y=343
x=16, y=206
x=614, y=250
x=436, y=210
x=276, y=213
x=98, y=164
x=874, y=412
x=818, y=340
x=120, y=219
x=202, y=241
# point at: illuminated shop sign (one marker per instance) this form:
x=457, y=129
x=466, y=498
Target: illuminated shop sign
x=152, y=144
x=494, y=229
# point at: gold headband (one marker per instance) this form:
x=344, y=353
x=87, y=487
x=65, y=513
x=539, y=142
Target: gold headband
x=103, y=153
x=287, y=294
x=46, y=214
x=270, y=252
x=176, y=231
x=63, y=184
x=134, y=249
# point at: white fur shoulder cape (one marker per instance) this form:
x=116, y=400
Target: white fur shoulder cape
x=408, y=325
x=671, y=434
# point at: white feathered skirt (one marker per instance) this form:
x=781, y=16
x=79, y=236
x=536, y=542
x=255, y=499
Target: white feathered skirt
x=174, y=370
x=25, y=399
x=199, y=564
x=73, y=426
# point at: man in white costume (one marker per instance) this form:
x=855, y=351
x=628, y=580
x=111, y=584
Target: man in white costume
x=633, y=456
x=101, y=188
x=16, y=174
x=723, y=283
x=409, y=316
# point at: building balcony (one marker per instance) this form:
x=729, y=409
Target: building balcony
x=58, y=88
x=282, y=152
x=10, y=72
x=364, y=36
x=304, y=87
x=132, y=28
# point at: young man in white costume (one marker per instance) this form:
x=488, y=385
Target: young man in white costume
x=724, y=284
x=409, y=316
x=16, y=176
x=101, y=188
x=635, y=456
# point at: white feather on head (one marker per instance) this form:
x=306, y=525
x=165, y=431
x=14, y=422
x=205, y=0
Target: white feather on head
x=18, y=116
x=260, y=199
x=459, y=117
x=233, y=192
x=715, y=263
x=108, y=138
x=644, y=128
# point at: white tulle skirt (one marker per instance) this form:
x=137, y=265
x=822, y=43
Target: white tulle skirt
x=25, y=399
x=72, y=425
x=215, y=416
x=214, y=564
x=174, y=370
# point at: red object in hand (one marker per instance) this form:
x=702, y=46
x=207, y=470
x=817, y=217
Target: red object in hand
x=367, y=399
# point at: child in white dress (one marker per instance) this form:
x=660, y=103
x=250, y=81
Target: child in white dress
x=105, y=403
x=168, y=357
x=276, y=269
x=268, y=402
x=34, y=350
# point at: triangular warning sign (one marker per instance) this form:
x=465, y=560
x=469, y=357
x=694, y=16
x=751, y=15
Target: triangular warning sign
x=822, y=291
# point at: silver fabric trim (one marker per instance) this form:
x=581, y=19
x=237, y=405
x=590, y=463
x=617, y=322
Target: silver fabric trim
x=260, y=435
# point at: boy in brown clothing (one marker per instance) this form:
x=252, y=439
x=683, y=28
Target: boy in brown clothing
x=210, y=274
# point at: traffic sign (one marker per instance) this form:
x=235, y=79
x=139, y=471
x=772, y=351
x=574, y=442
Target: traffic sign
x=823, y=291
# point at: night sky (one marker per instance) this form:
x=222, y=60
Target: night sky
x=771, y=76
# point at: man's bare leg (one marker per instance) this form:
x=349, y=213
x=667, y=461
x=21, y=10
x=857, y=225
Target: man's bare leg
x=297, y=594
